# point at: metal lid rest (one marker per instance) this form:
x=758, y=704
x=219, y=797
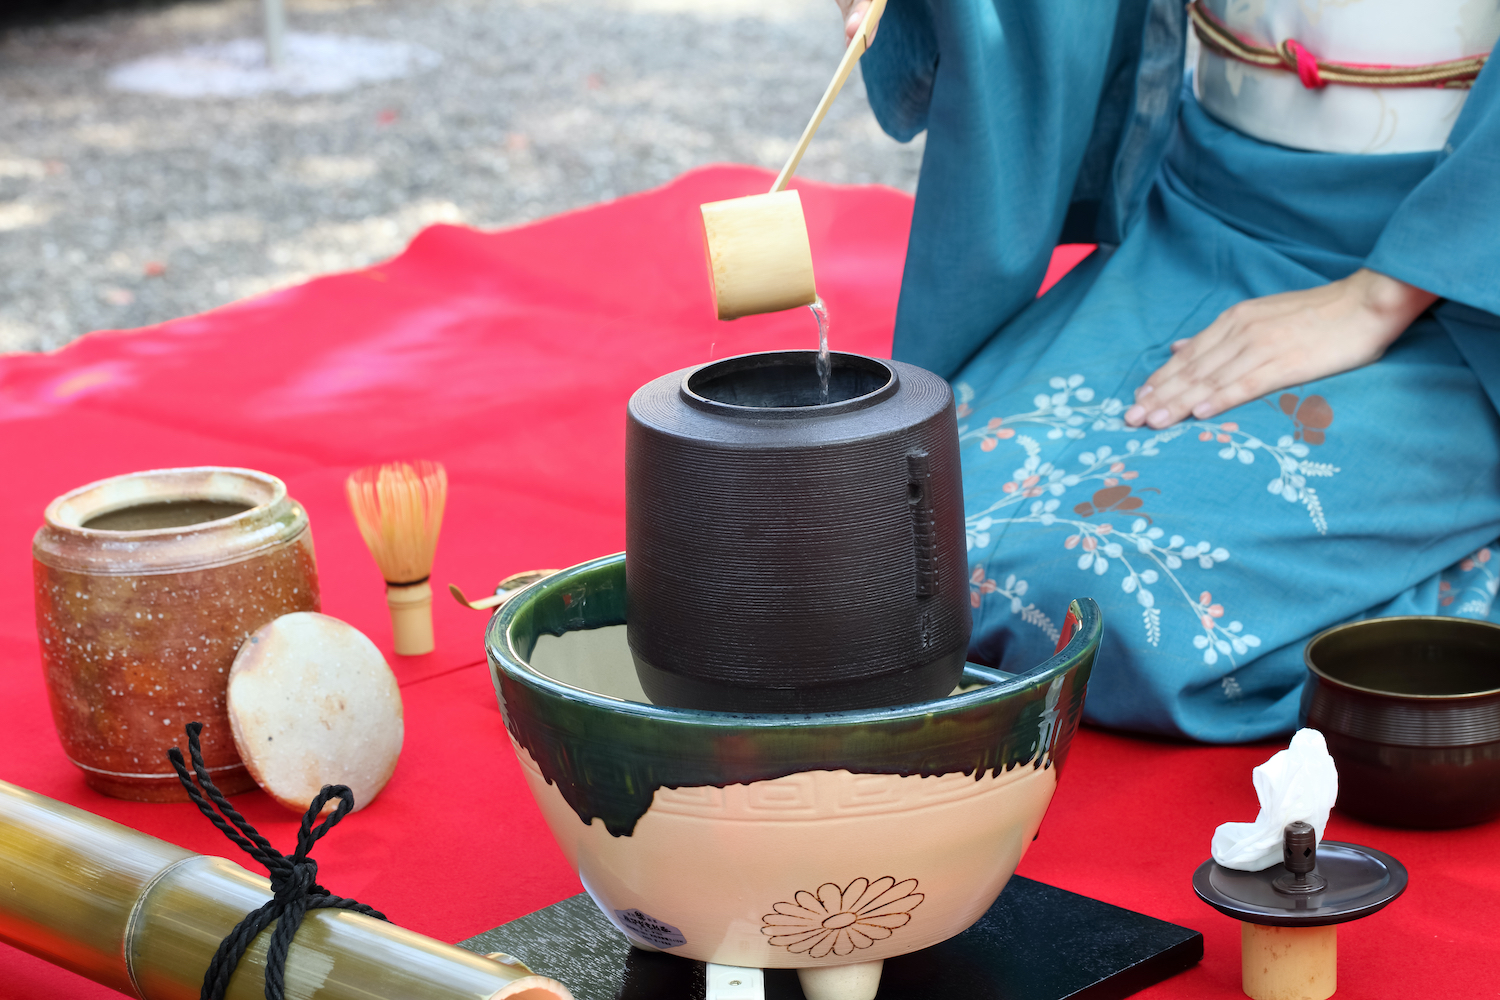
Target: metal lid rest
x=1328, y=883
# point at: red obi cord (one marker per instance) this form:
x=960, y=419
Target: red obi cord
x=1307, y=66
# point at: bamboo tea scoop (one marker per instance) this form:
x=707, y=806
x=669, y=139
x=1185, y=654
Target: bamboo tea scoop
x=504, y=590
x=759, y=259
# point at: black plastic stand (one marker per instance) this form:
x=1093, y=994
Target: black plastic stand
x=1036, y=943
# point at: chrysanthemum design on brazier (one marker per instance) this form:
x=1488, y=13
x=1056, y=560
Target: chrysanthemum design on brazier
x=834, y=921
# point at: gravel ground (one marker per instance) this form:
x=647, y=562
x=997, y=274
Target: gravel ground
x=120, y=210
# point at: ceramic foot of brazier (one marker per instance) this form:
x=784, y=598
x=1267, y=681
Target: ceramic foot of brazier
x=860, y=981
x=777, y=841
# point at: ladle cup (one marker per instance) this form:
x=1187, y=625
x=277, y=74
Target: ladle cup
x=759, y=259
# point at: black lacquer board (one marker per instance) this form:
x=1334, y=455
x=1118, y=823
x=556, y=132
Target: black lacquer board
x=1036, y=943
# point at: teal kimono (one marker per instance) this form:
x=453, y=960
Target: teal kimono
x=1216, y=547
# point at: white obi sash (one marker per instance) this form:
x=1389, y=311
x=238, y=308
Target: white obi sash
x=1274, y=106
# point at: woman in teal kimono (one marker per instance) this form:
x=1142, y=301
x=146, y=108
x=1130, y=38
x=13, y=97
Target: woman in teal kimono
x=1264, y=405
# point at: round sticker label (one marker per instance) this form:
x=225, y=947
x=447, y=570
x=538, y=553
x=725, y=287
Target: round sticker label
x=649, y=929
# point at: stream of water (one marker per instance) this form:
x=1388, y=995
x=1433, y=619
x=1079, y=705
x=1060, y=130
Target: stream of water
x=825, y=360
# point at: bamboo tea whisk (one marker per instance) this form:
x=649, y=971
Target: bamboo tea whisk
x=399, y=510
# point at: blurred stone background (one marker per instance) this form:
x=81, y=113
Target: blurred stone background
x=122, y=209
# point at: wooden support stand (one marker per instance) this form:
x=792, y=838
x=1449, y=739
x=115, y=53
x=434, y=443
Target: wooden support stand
x=1289, y=913
x=1288, y=963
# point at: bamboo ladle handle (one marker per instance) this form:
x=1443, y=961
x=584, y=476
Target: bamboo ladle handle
x=857, y=46
x=759, y=258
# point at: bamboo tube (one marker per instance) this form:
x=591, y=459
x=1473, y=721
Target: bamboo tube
x=144, y=917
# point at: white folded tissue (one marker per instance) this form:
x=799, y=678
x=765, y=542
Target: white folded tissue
x=1299, y=782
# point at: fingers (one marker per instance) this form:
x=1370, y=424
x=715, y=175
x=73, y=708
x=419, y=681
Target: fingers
x=854, y=16
x=851, y=22
x=1252, y=383
x=1162, y=385
x=1192, y=350
x=1201, y=389
x=1176, y=396
x=1270, y=343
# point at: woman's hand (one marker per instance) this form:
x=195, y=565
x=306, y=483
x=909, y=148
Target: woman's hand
x=1278, y=341
x=854, y=14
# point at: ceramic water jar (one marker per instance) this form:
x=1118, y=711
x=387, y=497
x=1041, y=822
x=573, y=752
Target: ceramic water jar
x=787, y=553
x=146, y=585
x=807, y=841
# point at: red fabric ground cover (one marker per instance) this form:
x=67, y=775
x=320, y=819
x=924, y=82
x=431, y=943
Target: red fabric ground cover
x=509, y=357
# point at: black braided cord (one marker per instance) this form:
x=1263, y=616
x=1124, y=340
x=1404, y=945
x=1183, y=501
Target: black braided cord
x=294, y=880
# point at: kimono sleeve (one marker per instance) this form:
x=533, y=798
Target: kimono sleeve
x=1445, y=237
x=1031, y=108
x=900, y=67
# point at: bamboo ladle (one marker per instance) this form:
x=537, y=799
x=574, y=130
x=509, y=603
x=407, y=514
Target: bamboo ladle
x=759, y=259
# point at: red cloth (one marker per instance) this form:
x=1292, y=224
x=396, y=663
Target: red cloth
x=509, y=357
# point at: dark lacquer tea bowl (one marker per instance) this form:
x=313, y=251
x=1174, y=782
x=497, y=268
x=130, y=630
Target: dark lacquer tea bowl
x=1410, y=708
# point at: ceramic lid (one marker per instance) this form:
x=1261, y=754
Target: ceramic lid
x=1337, y=882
